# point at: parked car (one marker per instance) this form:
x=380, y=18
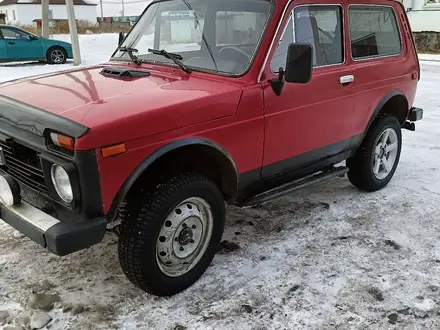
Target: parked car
x=20, y=45
x=158, y=139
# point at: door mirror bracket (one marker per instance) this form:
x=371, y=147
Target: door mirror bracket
x=298, y=70
x=277, y=83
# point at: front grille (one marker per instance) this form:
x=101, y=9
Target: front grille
x=23, y=164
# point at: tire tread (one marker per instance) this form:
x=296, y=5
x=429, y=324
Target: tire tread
x=360, y=173
x=144, y=216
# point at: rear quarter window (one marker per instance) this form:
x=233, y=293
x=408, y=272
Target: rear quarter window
x=374, y=31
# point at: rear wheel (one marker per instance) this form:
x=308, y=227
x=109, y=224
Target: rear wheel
x=170, y=236
x=376, y=160
x=56, y=55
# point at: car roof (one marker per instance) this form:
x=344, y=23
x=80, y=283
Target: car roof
x=9, y=26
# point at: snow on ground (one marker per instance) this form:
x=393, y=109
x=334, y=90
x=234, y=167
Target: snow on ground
x=94, y=48
x=328, y=257
x=429, y=57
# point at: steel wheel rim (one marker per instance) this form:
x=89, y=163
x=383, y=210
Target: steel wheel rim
x=57, y=56
x=184, y=237
x=385, y=153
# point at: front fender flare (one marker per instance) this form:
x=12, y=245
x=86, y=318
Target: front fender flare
x=162, y=151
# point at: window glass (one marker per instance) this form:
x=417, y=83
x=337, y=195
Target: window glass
x=13, y=34
x=226, y=42
x=321, y=27
x=238, y=27
x=280, y=56
x=373, y=31
x=178, y=32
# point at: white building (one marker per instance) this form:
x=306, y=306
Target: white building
x=423, y=15
x=24, y=12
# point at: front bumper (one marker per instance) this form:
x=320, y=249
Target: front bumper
x=60, y=238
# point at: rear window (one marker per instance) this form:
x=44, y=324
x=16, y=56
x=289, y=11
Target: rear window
x=374, y=31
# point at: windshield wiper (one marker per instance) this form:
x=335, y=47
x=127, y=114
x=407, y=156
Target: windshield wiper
x=208, y=47
x=176, y=58
x=130, y=52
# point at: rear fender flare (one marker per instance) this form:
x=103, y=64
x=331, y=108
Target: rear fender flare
x=379, y=107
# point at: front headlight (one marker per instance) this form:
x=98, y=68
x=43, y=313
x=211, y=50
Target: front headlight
x=61, y=183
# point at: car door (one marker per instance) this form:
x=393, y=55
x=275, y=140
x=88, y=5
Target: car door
x=2, y=48
x=20, y=45
x=313, y=121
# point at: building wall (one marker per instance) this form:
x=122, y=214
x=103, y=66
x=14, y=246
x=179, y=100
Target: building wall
x=25, y=14
x=424, y=20
x=9, y=11
x=423, y=15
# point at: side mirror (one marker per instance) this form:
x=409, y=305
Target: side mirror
x=121, y=38
x=299, y=63
x=298, y=69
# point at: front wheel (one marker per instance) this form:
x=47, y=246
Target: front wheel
x=376, y=160
x=171, y=235
x=56, y=55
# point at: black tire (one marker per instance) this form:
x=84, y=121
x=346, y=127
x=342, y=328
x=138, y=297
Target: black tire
x=55, y=53
x=361, y=164
x=139, y=233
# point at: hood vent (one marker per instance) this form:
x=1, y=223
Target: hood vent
x=123, y=73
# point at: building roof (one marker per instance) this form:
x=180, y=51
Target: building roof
x=38, y=2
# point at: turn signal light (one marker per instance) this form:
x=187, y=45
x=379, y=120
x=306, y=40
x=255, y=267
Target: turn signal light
x=62, y=141
x=114, y=150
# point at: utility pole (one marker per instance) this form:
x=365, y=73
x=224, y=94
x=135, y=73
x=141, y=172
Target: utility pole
x=123, y=14
x=73, y=32
x=45, y=18
x=102, y=12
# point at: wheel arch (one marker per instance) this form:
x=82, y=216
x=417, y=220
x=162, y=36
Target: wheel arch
x=394, y=103
x=50, y=47
x=219, y=163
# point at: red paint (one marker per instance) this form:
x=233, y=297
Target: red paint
x=241, y=115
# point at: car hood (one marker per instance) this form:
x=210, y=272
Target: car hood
x=129, y=108
x=49, y=42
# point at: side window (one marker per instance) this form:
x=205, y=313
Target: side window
x=13, y=34
x=373, y=31
x=9, y=34
x=321, y=27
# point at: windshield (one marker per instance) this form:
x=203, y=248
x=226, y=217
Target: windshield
x=214, y=35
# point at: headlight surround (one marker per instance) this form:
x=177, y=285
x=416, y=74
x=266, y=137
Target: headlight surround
x=61, y=183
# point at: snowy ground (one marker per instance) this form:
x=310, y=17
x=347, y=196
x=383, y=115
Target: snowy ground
x=94, y=48
x=328, y=257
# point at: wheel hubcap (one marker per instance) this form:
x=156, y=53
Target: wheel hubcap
x=184, y=237
x=385, y=153
x=57, y=56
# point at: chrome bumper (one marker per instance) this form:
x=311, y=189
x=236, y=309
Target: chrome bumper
x=60, y=238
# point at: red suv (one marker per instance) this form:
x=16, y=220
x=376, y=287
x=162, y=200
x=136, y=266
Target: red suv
x=205, y=101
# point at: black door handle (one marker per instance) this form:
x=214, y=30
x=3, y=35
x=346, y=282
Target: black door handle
x=11, y=43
